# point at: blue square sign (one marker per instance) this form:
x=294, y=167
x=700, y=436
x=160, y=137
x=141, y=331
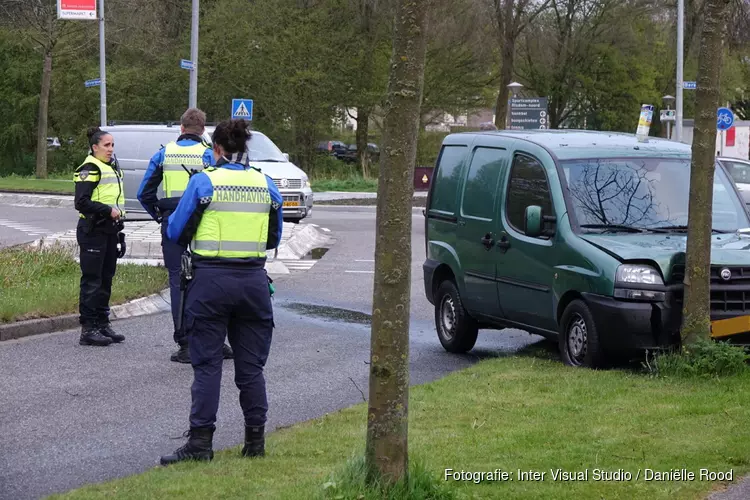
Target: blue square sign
x=242, y=108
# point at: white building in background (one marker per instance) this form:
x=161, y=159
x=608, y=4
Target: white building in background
x=736, y=141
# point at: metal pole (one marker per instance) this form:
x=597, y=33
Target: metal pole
x=680, y=56
x=102, y=66
x=194, y=57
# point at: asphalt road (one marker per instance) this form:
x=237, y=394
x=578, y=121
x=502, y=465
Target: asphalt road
x=20, y=225
x=71, y=415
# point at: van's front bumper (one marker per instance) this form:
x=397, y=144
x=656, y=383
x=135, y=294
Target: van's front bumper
x=298, y=204
x=625, y=325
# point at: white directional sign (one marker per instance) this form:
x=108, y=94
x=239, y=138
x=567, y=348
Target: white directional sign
x=76, y=9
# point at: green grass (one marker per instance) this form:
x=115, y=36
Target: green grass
x=46, y=283
x=55, y=184
x=350, y=184
x=526, y=412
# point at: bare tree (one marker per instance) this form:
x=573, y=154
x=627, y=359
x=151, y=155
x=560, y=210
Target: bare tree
x=38, y=21
x=696, y=310
x=512, y=18
x=387, y=419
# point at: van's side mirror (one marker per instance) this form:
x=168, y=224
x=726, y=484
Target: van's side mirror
x=534, y=221
x=286, y=155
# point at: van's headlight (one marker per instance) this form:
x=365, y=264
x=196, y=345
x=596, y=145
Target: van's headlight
x=305, y=182
x=638, y=274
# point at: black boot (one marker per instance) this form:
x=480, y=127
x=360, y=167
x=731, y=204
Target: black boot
x=90, y=335
x=106, y=330
x=198, y=447
x=255, y=441
x=182, y=355
x=226, y=351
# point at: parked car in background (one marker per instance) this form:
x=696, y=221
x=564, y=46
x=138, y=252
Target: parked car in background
x=350, y=154
x=579, y=237
x=739, y=170
x=330, y=147
x=135, y=144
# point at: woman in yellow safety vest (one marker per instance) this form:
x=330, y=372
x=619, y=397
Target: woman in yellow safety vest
x=100, y=200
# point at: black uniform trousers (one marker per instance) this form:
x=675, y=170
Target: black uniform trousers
x=172, y=252
x=98, y=256
x=234, y=302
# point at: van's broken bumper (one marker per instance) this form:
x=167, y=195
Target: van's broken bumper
x=629, y=325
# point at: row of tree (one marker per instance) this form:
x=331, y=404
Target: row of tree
x=305, y=62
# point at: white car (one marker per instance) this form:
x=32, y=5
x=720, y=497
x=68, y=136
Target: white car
x=135, y=144
x=739, y=170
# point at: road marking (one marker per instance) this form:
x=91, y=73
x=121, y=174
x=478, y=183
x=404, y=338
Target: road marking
x=360, y=272
x=365, y=260
x=20, y=226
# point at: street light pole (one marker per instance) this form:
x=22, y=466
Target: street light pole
x=102, y=68
x=680, y=49
x=194, y=57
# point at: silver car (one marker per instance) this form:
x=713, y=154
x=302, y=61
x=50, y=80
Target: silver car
x=135, y=145
x=739, y=169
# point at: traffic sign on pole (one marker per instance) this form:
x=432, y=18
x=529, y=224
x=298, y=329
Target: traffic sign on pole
x=529, y=113
x=93, y=83
x=186, y=64
x=724, y=119
x=242, y=108
x=689, y=85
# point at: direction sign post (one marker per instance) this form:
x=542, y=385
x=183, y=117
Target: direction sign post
x=689, y=85
x=242, y=108
x=724, y=121
x=529, y=113
x=93, y=83
x=186, y=64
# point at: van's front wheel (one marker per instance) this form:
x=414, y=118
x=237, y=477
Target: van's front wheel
x=456, y=329
x=579, y=339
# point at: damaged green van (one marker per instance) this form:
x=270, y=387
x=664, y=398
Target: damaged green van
x=576, y=236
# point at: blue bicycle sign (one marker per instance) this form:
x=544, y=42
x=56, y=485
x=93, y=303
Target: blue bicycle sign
x=724, y=119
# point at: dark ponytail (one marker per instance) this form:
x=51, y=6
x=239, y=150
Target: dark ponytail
x=232, y=135
x=95, y=135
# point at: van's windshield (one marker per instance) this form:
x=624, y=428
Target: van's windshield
x=260, y=148
x=644, y=193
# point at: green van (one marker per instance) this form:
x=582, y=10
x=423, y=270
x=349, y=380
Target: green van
x=576, y=236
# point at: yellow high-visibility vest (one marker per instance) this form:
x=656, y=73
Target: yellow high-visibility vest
x=175, y=178
x=235, y=223
x=110, y=188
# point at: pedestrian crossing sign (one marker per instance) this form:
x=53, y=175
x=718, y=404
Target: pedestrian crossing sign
x=242, y=108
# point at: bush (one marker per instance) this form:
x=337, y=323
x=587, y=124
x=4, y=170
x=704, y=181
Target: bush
x=705, y=358
x=420, y=484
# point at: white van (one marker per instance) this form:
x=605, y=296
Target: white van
x=135, y=144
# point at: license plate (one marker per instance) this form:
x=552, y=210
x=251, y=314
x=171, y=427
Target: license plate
x=291, y=203
x=731, y=326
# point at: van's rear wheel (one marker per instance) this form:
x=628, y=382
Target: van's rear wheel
x=456, y=329
x=579, y=339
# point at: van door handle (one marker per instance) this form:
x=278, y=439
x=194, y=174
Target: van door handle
x=504, y=243
x=487, y=241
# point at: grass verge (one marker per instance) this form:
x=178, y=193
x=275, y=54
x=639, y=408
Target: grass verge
x=527, y=412
x=46, y=283
x=352, y=184
x=53, y=185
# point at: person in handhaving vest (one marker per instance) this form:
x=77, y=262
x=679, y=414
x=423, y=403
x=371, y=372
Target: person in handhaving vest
x=99, y=199
x=166, y=168
x=231, y=214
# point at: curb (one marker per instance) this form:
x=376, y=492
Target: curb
x=158, y=302
x=36, y=200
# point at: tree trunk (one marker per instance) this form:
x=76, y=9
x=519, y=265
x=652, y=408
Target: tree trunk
x=41, y=139
x=506, y=75
x=363, y=120
x=696, y=322
x=387, y=419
